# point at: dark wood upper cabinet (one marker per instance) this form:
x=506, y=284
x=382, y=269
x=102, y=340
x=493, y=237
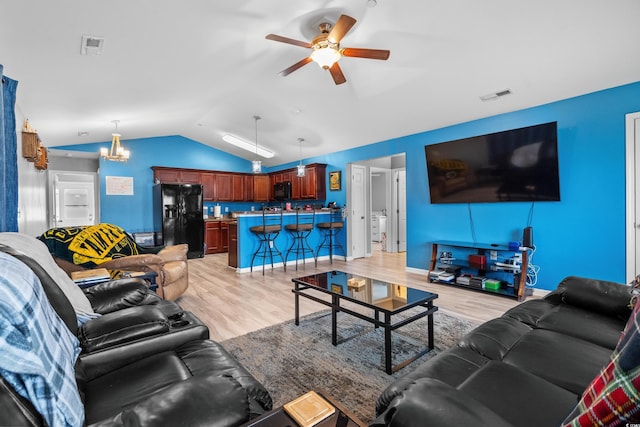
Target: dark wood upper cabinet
x=262, y=188
x=223, y=187
x=313, y=183
x=190, y=177
x=208, y=187
x=248, y=188
x=169, y=176
x=237, y=187
x=176, y=175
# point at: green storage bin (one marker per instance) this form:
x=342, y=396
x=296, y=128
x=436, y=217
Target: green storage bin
x=491, y=284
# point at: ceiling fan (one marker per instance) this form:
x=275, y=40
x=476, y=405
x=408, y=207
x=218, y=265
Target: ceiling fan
x=327, y=51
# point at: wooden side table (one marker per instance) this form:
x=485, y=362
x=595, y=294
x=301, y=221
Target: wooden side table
x=278, y=417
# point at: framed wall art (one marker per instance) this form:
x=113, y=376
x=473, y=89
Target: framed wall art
x=335, y=181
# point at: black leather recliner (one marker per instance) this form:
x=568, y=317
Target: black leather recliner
x=127, y=378
x=132, y=332
x=528, y=367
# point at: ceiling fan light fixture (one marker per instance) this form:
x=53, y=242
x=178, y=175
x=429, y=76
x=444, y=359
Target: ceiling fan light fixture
x=325, y=55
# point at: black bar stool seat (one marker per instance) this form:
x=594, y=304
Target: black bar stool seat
x=300, y=231
x=267, y=233
x=330, y=230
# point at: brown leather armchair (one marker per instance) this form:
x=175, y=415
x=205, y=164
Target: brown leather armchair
x=109, y=246
x=170, y=264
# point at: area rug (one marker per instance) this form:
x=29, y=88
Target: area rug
x=290, y=360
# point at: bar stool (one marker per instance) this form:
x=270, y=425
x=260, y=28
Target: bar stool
x=300, y=231
x=330, y=230
x=267, y=234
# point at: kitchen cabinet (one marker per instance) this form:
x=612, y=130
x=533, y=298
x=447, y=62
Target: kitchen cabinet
x=313, y=183
x=166, y=175
x=218, y=186
x=223, y=187
x=295, y=185
x=208, y=187
x=233, y=243
x=261, y=188
x=237, y=188
x=216, y=237
x=248, y=188
x=312, y=186
x=176, y=175
x=190, y=177
x=211, y=237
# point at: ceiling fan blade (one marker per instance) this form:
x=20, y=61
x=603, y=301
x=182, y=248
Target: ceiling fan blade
x=282, y=39
x=336, y=73
x=295, y=66
x=365, y=53
x=342, y=27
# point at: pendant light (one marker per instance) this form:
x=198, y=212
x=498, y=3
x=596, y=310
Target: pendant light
x=256, y=165
x=117, y=152
x=300, y=166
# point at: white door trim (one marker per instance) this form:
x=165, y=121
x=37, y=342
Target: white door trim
x=631, y=179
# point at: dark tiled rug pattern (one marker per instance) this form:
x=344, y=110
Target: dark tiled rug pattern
x=290, y=360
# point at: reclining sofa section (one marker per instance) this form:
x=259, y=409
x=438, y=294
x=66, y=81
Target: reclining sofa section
x=154, y=380
x=529, y=367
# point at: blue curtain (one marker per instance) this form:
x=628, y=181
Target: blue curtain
x=8, y=155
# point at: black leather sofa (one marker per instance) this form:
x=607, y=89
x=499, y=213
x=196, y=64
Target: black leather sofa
x=526, y=368
x=144, y=362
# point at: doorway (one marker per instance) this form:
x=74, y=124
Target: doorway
x=382, y=224
x=633, y=201
x=357, y=226
x=72, y=200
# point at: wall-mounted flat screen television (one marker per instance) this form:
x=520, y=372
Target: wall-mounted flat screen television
x=509, y=166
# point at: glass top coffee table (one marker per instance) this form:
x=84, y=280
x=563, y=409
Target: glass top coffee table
x=388, y=299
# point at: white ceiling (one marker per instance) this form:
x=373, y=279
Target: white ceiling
x=202, y=68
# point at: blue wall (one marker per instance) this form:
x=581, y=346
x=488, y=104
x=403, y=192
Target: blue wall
x=134, y=213
x=583, y=234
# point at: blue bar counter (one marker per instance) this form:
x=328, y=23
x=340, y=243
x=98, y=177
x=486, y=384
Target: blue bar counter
x=248, y=242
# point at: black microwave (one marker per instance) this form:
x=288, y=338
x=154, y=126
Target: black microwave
x=282, y=190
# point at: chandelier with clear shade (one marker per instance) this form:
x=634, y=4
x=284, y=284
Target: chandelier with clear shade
x=256, y=165
x=300, y=166
x=117, y=152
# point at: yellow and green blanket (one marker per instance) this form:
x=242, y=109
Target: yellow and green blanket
x=90, y=246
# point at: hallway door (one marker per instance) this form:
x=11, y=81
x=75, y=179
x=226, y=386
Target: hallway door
x=73, y=199
x=401, y=188
x=633, y=201
x=357, y=212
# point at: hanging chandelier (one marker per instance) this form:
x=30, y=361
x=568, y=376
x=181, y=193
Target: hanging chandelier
x=117, y=152
x=300, y=167
x=256, y=165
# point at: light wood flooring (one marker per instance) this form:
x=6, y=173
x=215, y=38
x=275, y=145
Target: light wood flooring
x=232, y=304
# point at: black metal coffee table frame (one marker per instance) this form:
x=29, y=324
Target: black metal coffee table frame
x=301, y=290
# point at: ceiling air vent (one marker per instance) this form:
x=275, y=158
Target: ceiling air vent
x=91, y=45
x=495, y=95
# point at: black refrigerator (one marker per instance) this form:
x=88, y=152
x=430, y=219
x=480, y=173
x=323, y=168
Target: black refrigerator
x=177, y=210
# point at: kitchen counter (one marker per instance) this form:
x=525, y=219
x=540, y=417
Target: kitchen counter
x=247, y=242
x=285, y=212
x=221, y=219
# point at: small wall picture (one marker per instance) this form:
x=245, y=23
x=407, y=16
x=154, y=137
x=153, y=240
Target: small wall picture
x=336, y=288
x=335, y=179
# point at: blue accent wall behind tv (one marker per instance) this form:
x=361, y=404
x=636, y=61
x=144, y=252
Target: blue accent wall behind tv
x=583, y=234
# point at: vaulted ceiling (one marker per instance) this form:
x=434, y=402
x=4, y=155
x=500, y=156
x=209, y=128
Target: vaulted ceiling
x=203, y=68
